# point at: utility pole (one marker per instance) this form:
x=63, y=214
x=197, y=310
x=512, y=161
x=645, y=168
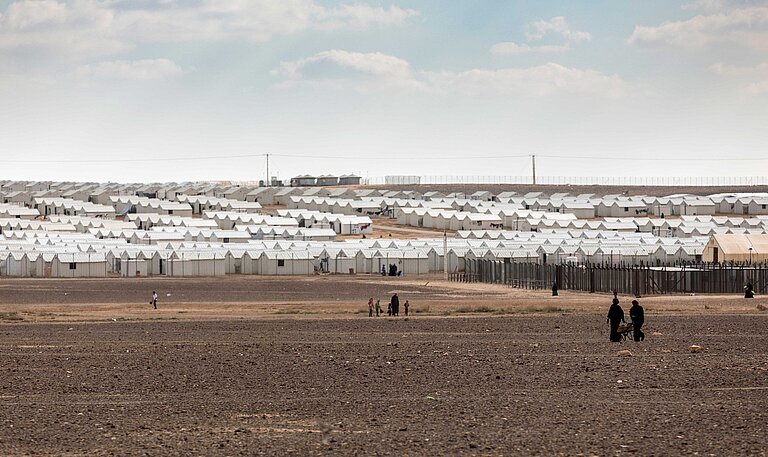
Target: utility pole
x=268, y=182
x=533, y=167
x=445, y=256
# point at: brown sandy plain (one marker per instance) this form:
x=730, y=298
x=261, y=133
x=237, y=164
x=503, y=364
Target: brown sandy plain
x=294, y=366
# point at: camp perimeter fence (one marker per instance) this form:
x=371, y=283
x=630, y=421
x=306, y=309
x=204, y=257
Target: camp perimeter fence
x=662, y=181
x=633, y=280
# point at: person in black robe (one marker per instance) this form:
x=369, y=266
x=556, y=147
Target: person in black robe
x=637, y=314
x=615, y=318
x=554, y=289
x=395, y=305
x=749, y=291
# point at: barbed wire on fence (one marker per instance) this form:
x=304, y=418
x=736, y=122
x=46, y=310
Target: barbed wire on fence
x=662, y=181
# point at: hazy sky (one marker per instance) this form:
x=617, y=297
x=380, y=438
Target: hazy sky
x=428, y=87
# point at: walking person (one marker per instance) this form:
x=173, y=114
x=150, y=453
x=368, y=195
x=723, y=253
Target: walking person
x=153, y=302
x=615, y=318
x=395, y=305
x=377, y=306
x=406, y=306
x=637, y=314
x=749, y=291
x=554, y=289
x=370, y=307
x=389, y=309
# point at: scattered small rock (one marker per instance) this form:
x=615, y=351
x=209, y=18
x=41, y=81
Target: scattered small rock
x=695, y=348
x=657, y=334
x=624, y=353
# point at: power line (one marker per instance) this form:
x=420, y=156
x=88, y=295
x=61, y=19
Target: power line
x=658, y=159
x=156, y=159
x=249, y=156
x=464, y=157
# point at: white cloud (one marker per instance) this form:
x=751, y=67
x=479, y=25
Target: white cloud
x=80, y=30
x=136, y=70
x=756, y=76
x=539, y=30
x=541, y=80
x=84, y=28
x=343, y=68
x=370, y=71
x=515, y=48
x=757, y=88
x=720, y=5
x=736, y=70
x=557, y=26
x=360, y=16
x=706, y=5
x=745, y=27
x=374, y=64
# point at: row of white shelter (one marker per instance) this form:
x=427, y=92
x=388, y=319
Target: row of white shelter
x=169, y=252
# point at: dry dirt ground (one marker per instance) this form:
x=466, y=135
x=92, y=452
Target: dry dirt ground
x=275, y=366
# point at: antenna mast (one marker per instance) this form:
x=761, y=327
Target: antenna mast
x=268, y=181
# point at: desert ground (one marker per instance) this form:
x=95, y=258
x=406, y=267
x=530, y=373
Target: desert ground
x=294, y=366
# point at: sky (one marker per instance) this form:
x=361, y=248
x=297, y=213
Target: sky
x=172, y=90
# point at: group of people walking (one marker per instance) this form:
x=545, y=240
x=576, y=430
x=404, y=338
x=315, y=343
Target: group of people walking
x=616, y=318
x=637, y=314
x=393, y=307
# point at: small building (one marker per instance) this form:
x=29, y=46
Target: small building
x=349, y=180
x=303, y=181
x=327, y=180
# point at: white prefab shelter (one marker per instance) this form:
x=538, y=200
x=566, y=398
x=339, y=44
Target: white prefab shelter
x=456, y=258
x=335, y=260
x=198, y=263
x=286, y=263
x=134, y=267
x=25, y=265
x=365, y=261
x=411, y=261
x=81, y=265
x=249, y=265
x=581, y=210
x=436, y=259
